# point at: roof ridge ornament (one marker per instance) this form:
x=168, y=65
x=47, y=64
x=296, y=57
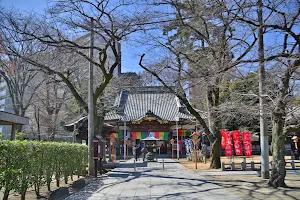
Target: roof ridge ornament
x=150, y=116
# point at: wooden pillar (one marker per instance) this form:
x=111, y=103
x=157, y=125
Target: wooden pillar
x=13, y=132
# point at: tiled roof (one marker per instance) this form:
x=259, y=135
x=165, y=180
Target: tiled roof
x=138, y=101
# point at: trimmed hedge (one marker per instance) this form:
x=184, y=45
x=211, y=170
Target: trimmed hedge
x=29, y=163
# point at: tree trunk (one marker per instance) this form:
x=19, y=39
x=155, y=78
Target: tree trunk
x=48, y=185
x=57, y=182
x=37, y=189
x=278, y=148
x=23, y=195
x=6, y=194
x=216, y=143
x=216, y=154
x=66, y=179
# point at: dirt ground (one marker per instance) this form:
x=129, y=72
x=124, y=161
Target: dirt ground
x=30, y=194
x=254, y=187
x=246, y=185
x=201, y=166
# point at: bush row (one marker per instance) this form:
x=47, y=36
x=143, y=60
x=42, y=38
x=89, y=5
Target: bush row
x=29, y=163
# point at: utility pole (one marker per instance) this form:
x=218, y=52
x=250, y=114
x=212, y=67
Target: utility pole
x=264, y=144
x=91, y=105
x=177, y=120
x=124, y=137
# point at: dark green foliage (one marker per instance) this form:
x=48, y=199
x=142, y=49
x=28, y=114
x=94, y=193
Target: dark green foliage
x=24, y=164
x=241, y=89
x=239, y=103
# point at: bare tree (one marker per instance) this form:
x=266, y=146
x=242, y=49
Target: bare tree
x=51, y=99
x=202, y=40
x=279, y=18
x=20, y=79
x=113, y=21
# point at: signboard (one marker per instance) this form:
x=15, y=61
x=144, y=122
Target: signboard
x=237, y=143
x=195, y=136
x=247, y=144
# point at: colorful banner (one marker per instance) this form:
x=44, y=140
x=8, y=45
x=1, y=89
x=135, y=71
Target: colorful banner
x=223, y=142
x=114, y=135
x=182, y=132
x=143, y=135
x=228, y=147
x=117, y=135
x=136, y=135
x=188, y=132
x=161, y=135
x=247, y=144
x=237, y=142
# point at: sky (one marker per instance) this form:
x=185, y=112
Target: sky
x=130, y=55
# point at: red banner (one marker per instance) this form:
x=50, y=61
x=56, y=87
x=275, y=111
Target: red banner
x=247, y=144
x=237, y=143
x=223, y=142
x=228, y=147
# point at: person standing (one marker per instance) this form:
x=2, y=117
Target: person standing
x=144, y=151
x=204, y=152
x=138, y=152
x=134, y=152
x=295, y=149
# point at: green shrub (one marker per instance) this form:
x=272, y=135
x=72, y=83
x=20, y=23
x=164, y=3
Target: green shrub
x=24, y=164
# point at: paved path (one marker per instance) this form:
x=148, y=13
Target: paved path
x=150, y=181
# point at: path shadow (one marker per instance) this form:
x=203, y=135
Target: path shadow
x=131, y=165
x=244, y=187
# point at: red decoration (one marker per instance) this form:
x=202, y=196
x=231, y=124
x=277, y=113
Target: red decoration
x=228, y=147
x=180, y=132
x=237, y=143
x=223, y=142
x=156, y=135
x=247, y=144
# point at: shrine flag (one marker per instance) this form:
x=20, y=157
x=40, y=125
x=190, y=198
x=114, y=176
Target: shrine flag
x=247, y=144
x=223, y=140
x=228, y=147
x=237, y=143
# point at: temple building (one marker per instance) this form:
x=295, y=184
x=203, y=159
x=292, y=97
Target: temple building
x=150, y=110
